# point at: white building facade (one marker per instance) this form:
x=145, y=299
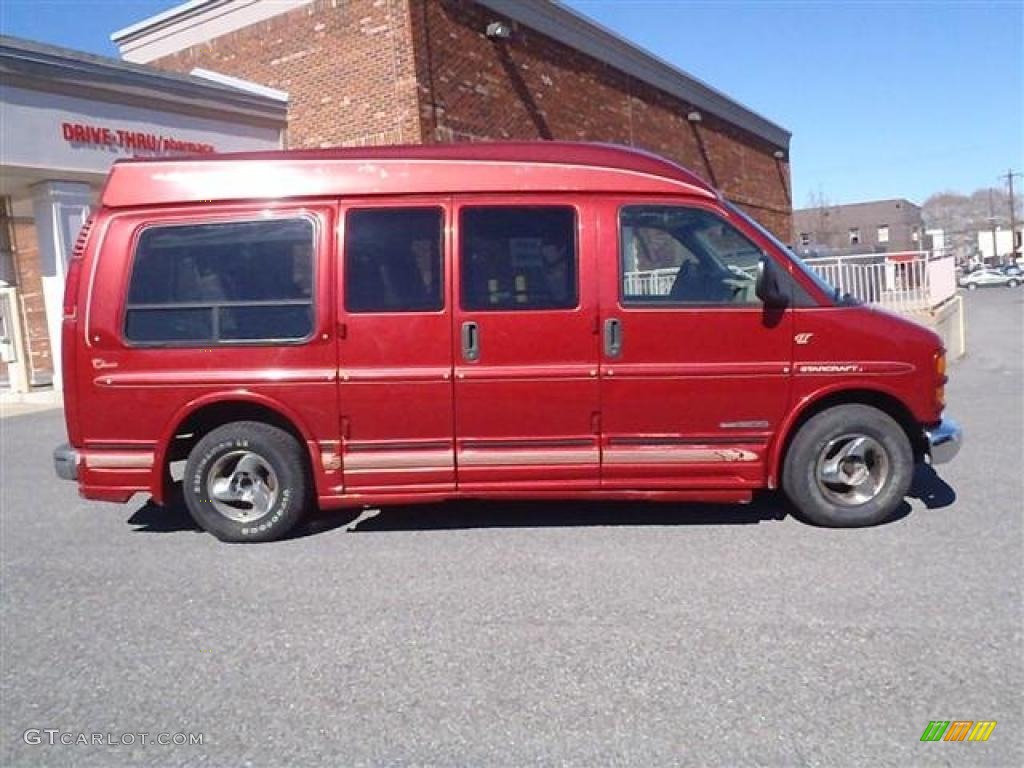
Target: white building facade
x=998, y=246
x=65, y=117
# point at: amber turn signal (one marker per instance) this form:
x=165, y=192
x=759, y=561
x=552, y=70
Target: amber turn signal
x=940, y=379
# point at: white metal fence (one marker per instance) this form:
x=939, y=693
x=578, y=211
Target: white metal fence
x=906, y=282
x=658, y=282
x=654, y=282
x=911, y=282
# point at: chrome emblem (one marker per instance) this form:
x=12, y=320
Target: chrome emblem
x=803, y=338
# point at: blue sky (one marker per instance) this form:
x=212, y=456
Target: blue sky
x=884, y=99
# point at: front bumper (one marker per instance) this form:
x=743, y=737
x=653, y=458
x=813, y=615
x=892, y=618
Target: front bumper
x=944, y=440
x=65, y=462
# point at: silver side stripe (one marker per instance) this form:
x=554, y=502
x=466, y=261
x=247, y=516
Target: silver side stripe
x=378, y=461
x=476, y=458
x=133, y=460
x=678, y=456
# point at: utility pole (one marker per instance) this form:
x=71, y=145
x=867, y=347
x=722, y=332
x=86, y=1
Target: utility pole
x=1013, y=214
x=996, y=261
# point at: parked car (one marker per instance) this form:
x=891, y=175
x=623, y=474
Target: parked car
x=343, y=328
x=987, y=278
x=1012, y=270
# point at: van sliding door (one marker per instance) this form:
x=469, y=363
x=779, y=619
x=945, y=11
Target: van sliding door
x=526, y=346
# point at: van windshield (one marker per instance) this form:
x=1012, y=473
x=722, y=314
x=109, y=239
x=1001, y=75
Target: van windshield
x=826, y=287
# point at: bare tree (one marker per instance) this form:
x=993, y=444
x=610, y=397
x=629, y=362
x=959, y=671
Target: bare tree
x=824, y=235
x=961, y=217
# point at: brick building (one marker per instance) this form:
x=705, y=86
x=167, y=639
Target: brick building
x=360, y=72
x=877, y=226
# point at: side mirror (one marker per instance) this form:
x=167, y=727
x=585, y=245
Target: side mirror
x=769, y=284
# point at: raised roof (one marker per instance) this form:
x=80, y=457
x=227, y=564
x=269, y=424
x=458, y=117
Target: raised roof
x=419, y=169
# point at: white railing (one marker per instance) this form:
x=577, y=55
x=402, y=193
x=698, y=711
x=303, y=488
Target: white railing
x=658, y=282
x=654, y=282
x=910, y=281
x=941, y=279
x=904, y=282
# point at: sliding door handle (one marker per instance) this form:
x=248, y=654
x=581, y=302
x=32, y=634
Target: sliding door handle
x=612, y=337
x=470, y=341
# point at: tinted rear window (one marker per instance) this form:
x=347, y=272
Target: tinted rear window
x=225, y=282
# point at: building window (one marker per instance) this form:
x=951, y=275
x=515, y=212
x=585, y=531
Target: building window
x=678, y=256
x=854, y=235
x=394, y=260
x=205, y=284
x=883, y=233
x=805, y=238
x=518, y=258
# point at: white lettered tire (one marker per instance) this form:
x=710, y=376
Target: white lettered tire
x=246, y=481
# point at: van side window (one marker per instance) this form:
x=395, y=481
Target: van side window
x=672, y=255
x=394, y=260
x=519, y=258
x=203, y=284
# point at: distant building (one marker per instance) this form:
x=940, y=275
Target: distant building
x=937, y=241
x=999, y=244
x=879, y=226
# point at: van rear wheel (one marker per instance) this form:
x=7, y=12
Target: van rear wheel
x=848, y=466
x=246, y=481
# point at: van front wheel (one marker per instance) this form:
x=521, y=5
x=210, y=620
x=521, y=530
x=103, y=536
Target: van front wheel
x=848, y=466
x=246, y=481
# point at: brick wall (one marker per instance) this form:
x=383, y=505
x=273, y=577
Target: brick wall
x=346, y=66
x=27, y=267
x=410, y=71
x=532, y=87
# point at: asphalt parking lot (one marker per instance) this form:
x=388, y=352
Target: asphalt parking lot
x=508, y=634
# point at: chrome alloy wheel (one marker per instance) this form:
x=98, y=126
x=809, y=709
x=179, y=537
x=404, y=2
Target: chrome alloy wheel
x=242, y=486
x=852, y=469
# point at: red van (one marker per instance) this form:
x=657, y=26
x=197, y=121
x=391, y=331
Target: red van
x=345, y=328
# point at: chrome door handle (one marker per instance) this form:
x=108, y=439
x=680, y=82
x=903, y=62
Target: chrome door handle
x=612, y=337
x=470, y=341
